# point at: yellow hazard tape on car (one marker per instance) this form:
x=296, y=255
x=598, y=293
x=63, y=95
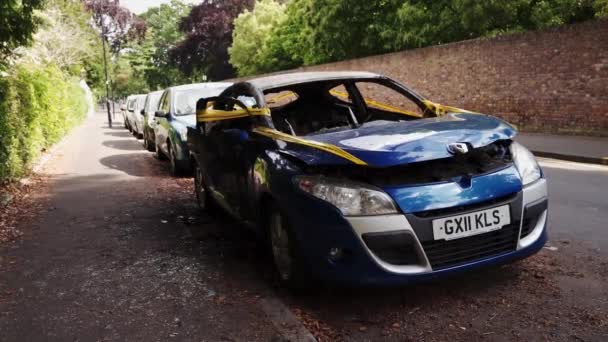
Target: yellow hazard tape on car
x=377, y=104
x=440, y=109
x=274, y=134
x=210, y=114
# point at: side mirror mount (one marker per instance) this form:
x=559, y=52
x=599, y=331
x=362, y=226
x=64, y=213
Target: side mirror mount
x=160, y=114
x=123, y=107
x=142, y=112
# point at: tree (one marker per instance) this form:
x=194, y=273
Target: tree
x=319, y=31
x=163, y=34
x=17, y=24
x=116, y=24
x=208, y=29
x=252, y=32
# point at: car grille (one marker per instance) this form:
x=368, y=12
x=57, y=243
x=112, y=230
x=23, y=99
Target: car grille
x=444, y=254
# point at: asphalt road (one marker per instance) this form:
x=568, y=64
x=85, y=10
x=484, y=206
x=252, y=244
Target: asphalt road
x=578, y=202
x=119, y=251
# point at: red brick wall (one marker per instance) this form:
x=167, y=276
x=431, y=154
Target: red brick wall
x=546, y=81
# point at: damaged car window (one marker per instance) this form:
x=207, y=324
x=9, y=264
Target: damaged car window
x=380, y=99
x=280, y=99
x=312, y=109
x=326, y=107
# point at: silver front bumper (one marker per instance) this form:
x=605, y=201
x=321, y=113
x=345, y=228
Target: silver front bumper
x=399, y=223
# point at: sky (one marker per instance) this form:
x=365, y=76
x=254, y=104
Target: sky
x=140, y=6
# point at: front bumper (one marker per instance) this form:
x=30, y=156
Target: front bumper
x=418, y=257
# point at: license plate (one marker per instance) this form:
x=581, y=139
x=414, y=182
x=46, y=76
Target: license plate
x=479, y=222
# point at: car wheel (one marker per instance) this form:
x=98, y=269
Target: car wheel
x=175, y=170
x=285, y=253
x=203, y=196
x=158, y=154
x=148, y=145
x=199, y=188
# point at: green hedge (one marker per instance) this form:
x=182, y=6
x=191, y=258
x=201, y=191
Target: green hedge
x=38, y=106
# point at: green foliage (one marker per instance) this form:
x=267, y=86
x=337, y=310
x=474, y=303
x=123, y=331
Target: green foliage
x=39, y=105
x=601, y=8
x=320, y=31
x=144, y=65
x=164, y=33
x=252, y=31
x=17, y=24
x=128, y=79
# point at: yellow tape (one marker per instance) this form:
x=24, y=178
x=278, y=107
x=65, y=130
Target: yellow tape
x=210, y=114
x=274, y=134
x=441, y=110
x=380, y=105
x=277, y=98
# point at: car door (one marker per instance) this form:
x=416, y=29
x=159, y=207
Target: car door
x=161, y=131
x=239, y=153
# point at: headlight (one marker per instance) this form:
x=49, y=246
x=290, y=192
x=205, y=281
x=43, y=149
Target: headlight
x=526, y=163
x=351, y=198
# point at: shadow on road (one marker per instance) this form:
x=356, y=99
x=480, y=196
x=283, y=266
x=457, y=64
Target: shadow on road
x=126, y=145
x=123, y=134
x=131, y=164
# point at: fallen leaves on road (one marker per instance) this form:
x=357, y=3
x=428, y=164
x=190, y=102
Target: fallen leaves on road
x=321, y=330
x=19, y=202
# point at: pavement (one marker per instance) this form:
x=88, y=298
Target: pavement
x=118, y=251
x=567, y=147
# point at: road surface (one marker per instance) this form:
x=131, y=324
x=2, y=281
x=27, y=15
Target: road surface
x=119, y=251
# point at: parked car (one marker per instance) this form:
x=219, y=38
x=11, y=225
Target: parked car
x=124, y=110
x=176, y=112
x=149, y=120
x=355, y=178
x=136, y=116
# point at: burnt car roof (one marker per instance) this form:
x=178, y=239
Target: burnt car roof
x=281, y=80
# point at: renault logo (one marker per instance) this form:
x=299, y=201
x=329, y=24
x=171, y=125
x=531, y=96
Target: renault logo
x=458, y=148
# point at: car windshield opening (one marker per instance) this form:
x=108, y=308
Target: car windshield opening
x=333, y=106
x=185, y=100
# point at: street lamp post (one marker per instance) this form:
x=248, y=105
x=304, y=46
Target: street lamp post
x=105, y=68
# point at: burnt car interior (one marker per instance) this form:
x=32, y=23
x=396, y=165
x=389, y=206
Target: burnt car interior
x=331, y=106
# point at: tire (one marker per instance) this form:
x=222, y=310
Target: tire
x=176, y=171
x=148, y=145
x=158, y=154
x=201, y=192
x=285, y=253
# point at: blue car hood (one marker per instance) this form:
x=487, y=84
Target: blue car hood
x=384, y=144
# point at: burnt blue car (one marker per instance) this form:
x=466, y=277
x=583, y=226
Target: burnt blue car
x=176, y=112
x=356, y=179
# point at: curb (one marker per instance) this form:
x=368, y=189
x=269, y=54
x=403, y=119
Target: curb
x=572, y=158
x=290, y=328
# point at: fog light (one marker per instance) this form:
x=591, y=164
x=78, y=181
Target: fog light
x=335, y=253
